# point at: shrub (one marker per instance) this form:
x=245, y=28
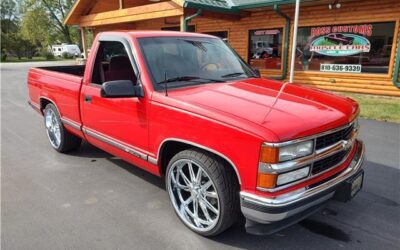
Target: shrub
x=47, y=54
x=3, y=56
x=66, y=55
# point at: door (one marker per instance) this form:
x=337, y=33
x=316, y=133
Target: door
x=118, y=122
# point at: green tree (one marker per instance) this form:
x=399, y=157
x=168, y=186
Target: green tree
x=36, y=27
x=19, y=46
x=56, y=10
x=8, y=16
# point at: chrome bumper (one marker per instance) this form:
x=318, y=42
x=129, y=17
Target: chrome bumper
x=297, y=204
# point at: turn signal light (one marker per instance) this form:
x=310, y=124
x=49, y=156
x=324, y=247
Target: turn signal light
x=269, y=154
x=266, y=180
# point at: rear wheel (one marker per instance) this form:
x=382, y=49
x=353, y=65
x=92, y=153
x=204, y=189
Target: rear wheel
x=60, y=139
x=203, y=191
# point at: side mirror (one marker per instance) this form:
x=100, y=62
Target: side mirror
x=121, y=89
x=257, y=73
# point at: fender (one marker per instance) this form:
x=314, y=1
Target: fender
x=155, y=161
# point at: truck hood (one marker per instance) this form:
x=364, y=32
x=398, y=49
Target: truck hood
x=288, y=111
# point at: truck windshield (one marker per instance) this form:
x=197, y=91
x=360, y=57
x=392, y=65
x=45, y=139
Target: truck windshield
x=184, y=61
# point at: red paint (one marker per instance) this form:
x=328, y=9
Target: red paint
x=232, y=118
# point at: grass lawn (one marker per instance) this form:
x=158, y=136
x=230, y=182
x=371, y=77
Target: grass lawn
x=34, y=59
x=377, y=107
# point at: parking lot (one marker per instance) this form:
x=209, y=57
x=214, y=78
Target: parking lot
x=92, y=200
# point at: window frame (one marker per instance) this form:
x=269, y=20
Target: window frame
x=129, y=50
x=282, y=47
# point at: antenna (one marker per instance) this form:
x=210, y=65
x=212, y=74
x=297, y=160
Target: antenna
x=165, y=83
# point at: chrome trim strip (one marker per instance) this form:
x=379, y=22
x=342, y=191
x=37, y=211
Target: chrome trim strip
x=114, y=143
x=281, y=144
x=202, y=147
x=303, y=193
x=71, y=123
x=152, y=160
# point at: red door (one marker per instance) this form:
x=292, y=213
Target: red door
x=114, y=124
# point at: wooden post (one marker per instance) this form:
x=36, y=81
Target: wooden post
x=83, y=37
x=182, y=21
x=121, y=4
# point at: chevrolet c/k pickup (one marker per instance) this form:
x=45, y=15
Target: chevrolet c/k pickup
x=186, y=107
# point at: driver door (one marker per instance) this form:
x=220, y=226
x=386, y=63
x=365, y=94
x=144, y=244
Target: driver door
x=114, y=123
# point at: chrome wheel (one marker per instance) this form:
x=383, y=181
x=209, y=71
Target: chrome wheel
x=193, y=195
x=52, y=128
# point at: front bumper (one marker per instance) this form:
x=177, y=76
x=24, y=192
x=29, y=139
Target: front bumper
x=268, y=215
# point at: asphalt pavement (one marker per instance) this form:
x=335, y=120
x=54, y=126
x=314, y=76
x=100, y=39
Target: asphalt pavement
x=92, y=200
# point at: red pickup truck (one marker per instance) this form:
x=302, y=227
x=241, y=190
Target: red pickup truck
x=186, y=107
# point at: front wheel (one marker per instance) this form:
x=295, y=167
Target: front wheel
x=203, y=191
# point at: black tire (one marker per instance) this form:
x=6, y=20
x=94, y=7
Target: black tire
x=226, y=184
x=68, y=141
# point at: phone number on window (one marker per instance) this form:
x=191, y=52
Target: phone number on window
x=351, y=68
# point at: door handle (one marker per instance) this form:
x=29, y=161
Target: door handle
x=88, y=98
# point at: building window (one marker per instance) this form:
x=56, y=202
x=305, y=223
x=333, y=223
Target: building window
x=221, y=34
x=348, y=48
x=265, y=47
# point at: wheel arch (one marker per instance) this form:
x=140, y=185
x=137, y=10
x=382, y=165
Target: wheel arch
x=171, y=146
x=43, y=101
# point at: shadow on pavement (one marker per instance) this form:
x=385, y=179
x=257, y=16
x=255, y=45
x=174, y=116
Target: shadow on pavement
x=328, y=223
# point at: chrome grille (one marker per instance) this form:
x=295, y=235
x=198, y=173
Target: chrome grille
x=328, y=162
x=330, y=139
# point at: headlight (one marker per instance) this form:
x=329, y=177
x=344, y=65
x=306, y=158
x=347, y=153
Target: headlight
x=274, y=155
x=296, y=151
x=292, y=176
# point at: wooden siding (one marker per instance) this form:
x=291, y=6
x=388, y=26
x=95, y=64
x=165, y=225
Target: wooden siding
x=133, y=14
x=351, y=12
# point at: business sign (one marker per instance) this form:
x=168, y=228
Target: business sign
x=345, y=68
x=340, y=44
x=266, y=32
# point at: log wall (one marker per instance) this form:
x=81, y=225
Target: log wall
x=351, y=12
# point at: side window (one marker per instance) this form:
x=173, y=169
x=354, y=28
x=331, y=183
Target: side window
x=112, y=63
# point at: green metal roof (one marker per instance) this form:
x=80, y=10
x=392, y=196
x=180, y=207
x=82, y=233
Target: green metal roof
x=235, y=5
x=213, y=5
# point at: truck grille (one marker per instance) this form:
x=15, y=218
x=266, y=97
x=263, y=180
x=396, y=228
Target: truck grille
x=330, y=139
x=328, y=162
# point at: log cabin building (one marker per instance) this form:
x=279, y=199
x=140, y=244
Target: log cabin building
x=342, y=45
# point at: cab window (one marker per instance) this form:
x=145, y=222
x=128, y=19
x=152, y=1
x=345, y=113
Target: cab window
x=112, y=63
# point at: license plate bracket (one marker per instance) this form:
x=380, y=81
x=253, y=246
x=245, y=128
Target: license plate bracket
x=350, y=187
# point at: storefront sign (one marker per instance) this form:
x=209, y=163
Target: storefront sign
x=360, y=29
x=346, y=68
x=266, y=32
x=340, y=44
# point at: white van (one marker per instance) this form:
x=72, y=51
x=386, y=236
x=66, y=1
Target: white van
x=71, y=49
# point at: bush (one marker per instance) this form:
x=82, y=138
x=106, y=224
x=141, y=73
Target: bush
x=47, y=54
x=66, y=55
x=3, y=56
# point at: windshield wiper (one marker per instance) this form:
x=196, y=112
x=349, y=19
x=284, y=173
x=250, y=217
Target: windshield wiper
x=233, y=74
x=188, y=78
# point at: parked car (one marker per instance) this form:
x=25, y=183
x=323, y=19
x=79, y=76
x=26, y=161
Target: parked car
x=70, y=49
x=339, y=38
x=187, y=108
x=264, y=49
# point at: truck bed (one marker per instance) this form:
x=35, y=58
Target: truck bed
x=57, y=84
x=77, y=70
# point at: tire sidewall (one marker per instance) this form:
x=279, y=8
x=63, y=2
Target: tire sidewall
x=221, y=198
